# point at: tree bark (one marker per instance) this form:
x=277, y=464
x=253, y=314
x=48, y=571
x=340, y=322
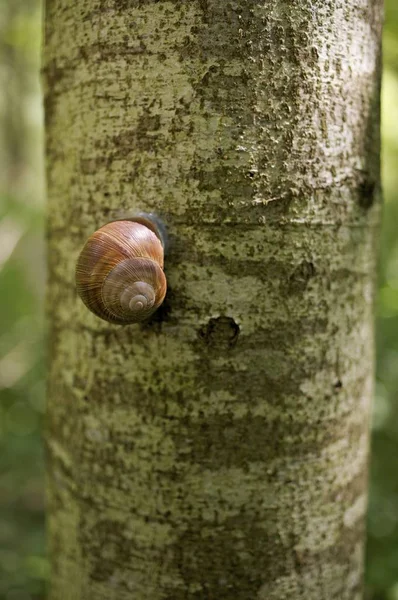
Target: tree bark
x=219, y=451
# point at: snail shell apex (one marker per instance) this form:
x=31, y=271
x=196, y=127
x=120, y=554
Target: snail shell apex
x=119, y=273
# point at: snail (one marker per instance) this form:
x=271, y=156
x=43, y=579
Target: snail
x=119, y=273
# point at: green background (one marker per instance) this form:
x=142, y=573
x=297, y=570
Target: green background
x=23, y=566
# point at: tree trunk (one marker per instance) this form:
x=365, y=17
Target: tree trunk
x=219, y=451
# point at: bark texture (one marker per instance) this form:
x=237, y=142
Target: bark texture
x=220, y=451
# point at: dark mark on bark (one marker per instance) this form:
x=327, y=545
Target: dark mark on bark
x=300, y=277
x=338, y=385
x=366, y=194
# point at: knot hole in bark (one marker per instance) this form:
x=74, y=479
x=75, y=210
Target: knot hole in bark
x=220, y=332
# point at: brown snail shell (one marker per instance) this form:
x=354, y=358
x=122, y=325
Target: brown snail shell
x=119, y=273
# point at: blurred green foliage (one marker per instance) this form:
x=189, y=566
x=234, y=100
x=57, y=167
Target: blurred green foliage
x=23, y=566
x=382, y=550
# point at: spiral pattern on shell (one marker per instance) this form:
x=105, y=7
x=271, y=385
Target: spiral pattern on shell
x=119, y=273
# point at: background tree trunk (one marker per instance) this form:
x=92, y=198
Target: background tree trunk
x=220, y=451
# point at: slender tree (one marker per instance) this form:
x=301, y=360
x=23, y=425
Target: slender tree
x=218, y=452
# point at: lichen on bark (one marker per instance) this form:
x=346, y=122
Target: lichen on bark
x=220, y=450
